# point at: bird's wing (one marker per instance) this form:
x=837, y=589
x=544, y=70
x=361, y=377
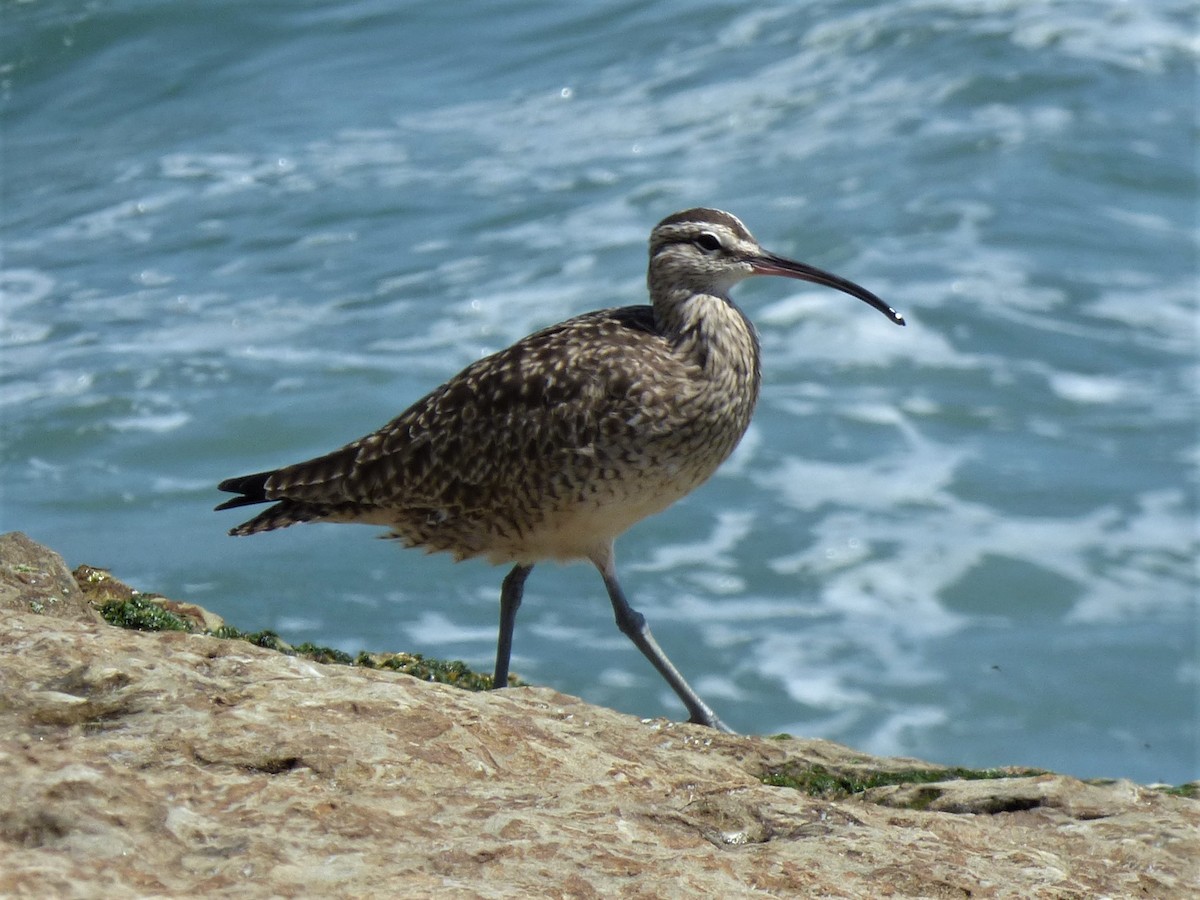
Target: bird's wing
x=556, y=401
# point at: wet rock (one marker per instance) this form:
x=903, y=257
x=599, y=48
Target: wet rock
x=182, y=765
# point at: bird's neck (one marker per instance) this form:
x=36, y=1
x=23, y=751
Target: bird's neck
x=710, y=330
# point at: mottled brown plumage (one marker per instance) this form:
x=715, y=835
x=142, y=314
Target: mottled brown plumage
x=552, y=448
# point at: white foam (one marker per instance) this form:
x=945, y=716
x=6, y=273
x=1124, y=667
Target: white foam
x=729, y=529
x=433, y=628
x=158, y=423
x=20, y=288
x=1088, y=388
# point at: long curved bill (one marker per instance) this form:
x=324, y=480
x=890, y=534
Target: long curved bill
x=769, y=264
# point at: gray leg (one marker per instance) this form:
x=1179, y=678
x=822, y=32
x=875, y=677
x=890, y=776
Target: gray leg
x=633, y=625
x=510, y=602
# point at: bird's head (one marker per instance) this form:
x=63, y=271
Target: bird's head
x=708, y=251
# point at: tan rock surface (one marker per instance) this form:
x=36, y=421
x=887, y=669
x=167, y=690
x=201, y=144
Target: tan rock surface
x=35, y=579
x=181, y=765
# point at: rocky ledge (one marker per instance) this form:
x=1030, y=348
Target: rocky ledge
x=180, y=764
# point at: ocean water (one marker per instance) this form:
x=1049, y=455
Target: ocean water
x=238, y=235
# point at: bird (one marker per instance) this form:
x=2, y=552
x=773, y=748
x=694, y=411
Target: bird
x=552, y=448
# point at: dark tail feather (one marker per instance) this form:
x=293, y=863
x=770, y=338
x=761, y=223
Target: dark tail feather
x=281, y=515
x=253, y=489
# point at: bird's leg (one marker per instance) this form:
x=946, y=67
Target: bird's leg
x=633, y=625
x=510, y=602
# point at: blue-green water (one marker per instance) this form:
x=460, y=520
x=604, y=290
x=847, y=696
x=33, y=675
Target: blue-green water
x=237, y=235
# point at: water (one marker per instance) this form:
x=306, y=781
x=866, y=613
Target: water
x=236, y=235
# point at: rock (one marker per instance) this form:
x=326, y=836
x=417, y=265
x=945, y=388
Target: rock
x=99, y=587
x=182, y=765
x=35, y=579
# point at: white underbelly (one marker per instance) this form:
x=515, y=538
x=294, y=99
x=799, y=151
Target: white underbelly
x=583, y=530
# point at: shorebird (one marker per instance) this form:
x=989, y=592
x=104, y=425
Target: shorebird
x=552, y=448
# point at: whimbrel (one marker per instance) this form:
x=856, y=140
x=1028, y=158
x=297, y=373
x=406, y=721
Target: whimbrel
x=551, y=449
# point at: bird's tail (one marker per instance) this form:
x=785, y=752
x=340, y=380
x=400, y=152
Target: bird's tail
x=253, y=489
x=281, y=515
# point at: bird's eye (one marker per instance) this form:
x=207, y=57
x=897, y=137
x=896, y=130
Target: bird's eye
x=708, y=242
